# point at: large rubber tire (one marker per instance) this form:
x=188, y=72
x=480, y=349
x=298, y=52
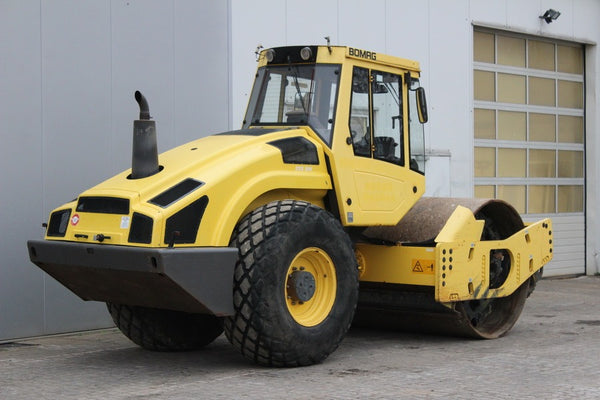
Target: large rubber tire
x=279, y=244
x=165, y=330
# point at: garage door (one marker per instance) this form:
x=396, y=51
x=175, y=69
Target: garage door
x=529, y=134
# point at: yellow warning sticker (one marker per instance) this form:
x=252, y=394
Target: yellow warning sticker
x=422, y=266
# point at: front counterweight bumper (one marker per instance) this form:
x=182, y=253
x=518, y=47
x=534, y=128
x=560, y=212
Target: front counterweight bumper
x=188, y=279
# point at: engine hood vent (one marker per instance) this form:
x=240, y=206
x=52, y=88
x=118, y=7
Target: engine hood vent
x=103, y=205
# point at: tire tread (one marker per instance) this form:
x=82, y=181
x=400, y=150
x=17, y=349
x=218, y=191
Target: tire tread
x=256, y=236
x=165, y=330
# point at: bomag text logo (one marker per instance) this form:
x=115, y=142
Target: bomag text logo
x=370, y=55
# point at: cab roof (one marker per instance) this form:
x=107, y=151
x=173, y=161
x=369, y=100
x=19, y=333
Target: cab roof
x=331, y=55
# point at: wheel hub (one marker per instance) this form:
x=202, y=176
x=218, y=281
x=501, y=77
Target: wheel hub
x=310, y=286
x=301, y=285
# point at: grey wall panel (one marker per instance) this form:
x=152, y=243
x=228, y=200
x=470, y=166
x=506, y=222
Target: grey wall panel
x=252, y=23
x=142, y=59
x=21, y=284
x=76, y=105
x=325, y=21
x=176, y=54
x=201, y=69
x=75, y=70
x=67, y=80
x=450, y=92
x=365, y=30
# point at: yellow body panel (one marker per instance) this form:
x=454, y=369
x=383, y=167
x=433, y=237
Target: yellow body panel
x=461, y=225
x=458, y=266
x=397, y=264
x=463, y=266
x=373, y=192
x=240, y=173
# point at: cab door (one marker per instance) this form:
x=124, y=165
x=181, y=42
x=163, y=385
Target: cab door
x=374, y=184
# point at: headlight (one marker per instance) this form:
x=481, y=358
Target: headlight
x=270, y=55
x=58, y=223
x=141, y=229
x=305, y=53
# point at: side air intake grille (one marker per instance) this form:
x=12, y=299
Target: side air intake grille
x=141, y=229
x=297, y=150
x=58, y=223
x=176, y=192
x=183, y=226
x=103, y=205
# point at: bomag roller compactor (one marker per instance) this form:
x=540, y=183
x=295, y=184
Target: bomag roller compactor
x=275, y=232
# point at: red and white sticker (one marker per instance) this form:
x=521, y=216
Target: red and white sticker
x=75, y=219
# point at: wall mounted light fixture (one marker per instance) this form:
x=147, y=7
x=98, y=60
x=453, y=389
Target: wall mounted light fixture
x=550, y=15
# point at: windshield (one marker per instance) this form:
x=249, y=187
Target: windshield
x=295, y=95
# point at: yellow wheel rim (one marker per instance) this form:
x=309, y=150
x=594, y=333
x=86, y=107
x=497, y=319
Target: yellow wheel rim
x=310, y=286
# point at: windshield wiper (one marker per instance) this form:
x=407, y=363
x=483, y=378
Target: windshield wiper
x=299, y=92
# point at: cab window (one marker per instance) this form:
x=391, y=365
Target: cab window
x=360, y=117
x=416, y=134
x=293, y=95
x=376, y=123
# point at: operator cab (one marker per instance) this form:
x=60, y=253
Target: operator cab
x=368, y=110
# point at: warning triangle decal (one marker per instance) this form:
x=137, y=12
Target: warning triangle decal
x=417, y=267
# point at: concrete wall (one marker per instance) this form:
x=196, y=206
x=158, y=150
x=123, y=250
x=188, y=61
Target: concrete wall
x=68, y=71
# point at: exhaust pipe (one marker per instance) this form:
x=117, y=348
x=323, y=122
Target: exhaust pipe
x=144, y=159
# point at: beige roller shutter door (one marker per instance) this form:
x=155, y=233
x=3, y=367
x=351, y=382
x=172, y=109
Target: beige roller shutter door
x=528, y=97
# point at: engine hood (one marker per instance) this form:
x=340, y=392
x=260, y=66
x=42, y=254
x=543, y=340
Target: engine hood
x=218, y=176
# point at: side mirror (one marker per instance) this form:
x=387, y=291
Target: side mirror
x=422, y=105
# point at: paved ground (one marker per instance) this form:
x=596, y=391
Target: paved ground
x=552, y=353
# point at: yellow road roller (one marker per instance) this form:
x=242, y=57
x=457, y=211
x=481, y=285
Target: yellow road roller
x=307, y=219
